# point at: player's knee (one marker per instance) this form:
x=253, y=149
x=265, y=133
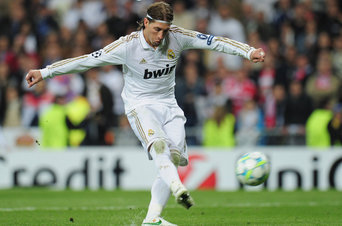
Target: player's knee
x=159, y=146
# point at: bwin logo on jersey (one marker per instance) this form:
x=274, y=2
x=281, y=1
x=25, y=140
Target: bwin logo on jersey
x=157, y=73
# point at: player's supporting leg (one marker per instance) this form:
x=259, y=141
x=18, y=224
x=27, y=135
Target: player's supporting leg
x=160, y=194
x=168, y=179
x=168, y=172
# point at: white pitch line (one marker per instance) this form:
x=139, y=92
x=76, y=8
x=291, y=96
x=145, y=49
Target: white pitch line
x=108, y=208
x=56, y=208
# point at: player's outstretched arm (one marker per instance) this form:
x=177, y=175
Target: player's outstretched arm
x=258, y=55
x=33, y=77
x=189, y=39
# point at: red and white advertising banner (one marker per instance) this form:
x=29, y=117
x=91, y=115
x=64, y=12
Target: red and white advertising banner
x=129, y=168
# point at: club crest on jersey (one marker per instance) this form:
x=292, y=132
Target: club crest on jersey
x=157, y=73
x=170, y=54
x=150, y=132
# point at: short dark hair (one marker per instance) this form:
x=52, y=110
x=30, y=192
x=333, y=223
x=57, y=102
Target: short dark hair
x=158, y=11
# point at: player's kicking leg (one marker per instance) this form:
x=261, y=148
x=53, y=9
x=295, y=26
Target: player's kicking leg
x=168, y=172
x=168, y=180
x=179, y=191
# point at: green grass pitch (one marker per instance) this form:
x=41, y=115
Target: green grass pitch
x=45, y=207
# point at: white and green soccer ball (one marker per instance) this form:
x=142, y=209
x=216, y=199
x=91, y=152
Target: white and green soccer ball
x=252, y=168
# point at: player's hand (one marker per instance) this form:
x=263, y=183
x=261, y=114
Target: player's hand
x=258, y=55
x=33, y=77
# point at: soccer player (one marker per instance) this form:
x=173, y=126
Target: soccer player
x=149, y=58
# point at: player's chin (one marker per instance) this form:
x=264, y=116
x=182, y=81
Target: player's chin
x=156, y=44
x=258, y=60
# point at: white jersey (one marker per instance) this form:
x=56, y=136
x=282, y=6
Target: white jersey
x=149, y=73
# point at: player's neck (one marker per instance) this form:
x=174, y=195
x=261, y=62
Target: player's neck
x=148, y=42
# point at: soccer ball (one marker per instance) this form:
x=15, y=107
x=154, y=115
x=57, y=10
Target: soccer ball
x=252, y=168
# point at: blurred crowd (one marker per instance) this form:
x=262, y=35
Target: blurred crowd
x=293, y=98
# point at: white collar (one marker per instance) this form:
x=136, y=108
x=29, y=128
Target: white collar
x=144, y=43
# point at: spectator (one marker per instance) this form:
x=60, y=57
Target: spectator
x=287, y=35
x=239, y=88
x=4, y=8
x=310, y=37
x=274, y=50
x=202, y=10
x=78, y=119
x=4, y=83
x=216, y=97
x=285, y=69
x=323, y=84
x=80, y=12
x=298, y=107
x=302, y=70
x=7, y=55
x=114, y=22
x=331, y=19
x=301, y=14
x=195, y=58
x=249, y=124
x=45, y=21
x=53, y=125
x=190, y=88
x=130, y=17
x=337, y=56
x=73, y=16
x=34, y=103
x=101, y=104
x=266, y=7
x=265, y=80
x=317, y=134
x=224, y=24
x=273, y=109
x=12, y=112
x=324, y=44
x=52, y=49
x=113, y=78
x=65, y=121
x=218, y=131
x=283, y=12
x=17, y=16
x=335, y=126
x=182, y=17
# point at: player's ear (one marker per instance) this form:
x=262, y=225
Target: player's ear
x=146, y=21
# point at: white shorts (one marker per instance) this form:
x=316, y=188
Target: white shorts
x=151, y=122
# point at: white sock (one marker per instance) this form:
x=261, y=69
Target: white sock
x=161, y=155
x=160, y=194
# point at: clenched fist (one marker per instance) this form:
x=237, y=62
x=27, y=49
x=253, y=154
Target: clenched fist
x=33, y=77
x=258, y=55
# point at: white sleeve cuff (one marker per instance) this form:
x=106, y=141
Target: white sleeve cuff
x=250, y=52
x=45, y=73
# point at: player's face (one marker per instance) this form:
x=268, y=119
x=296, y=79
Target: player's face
x=155, y=32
